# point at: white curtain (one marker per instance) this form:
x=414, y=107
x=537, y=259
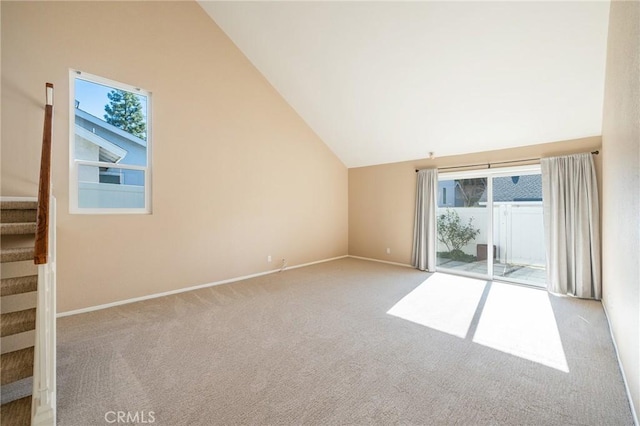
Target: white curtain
x=572, y=225
x=424, y=230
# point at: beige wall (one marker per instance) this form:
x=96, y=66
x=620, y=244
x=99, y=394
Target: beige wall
x=237, y=175
x=382, y=198
x=621, y=195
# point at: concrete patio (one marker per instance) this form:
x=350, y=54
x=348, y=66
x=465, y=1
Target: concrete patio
x=526, y=274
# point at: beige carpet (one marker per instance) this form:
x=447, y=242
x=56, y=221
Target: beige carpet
x=316, y=346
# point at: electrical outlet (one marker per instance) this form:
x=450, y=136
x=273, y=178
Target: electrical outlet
x=388, y=250
x=269, y=258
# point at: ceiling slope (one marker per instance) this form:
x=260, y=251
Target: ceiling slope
x=382, y=82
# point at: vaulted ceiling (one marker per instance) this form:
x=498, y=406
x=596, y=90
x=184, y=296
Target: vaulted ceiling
x=381, y=82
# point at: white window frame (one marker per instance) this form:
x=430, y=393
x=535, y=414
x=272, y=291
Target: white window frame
x=74, y=164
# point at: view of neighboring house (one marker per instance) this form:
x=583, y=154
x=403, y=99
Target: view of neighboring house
x=97, y=140
x=525, y=188
x=505, y=189
x=447, y=194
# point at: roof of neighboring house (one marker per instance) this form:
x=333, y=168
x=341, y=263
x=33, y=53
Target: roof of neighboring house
x=516, y=188
x=110, y=127
x=109, y=152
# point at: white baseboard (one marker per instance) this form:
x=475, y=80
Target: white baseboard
x=182, y=290
x=624, y=377
x=381, y=261
x=315, y=262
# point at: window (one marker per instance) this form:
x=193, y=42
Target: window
x=110, y=146
x=491, y=225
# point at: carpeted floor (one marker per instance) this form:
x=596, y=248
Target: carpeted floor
x=316, y=346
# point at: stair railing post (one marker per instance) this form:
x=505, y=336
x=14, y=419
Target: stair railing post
x=43, y=409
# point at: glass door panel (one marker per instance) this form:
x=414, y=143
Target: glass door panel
x=462, y=221
x=518, y=229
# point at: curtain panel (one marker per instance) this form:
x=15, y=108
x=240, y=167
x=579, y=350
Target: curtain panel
x=424, y=233
x=572, y=225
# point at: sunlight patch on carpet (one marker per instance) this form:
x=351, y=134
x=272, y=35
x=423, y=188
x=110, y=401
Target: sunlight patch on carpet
x=520, y=321
x=443, y=302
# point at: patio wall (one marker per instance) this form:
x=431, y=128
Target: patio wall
x=518, y=231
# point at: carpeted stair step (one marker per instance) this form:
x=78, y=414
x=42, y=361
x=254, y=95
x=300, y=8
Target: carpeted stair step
x=10, y=286
x=20, y=228
x=16, y=365
x=18, y=205
x=16, y=390
x=17, y=322
x=16, y=254
x=16, y=413
x=17, y=215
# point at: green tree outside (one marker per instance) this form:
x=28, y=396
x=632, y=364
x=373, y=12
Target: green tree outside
x=455, y=234
x=125, y=112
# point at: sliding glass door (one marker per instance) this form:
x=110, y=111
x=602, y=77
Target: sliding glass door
x=490, y=224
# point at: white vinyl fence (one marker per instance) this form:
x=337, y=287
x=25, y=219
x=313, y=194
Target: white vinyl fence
x=518, y=231
x=106, y=195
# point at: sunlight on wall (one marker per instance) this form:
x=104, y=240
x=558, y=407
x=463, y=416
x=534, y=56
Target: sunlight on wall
x=443, y=302
x=520, y=321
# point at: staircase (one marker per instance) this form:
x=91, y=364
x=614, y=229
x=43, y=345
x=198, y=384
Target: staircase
x=28, y=298
x=18, y=293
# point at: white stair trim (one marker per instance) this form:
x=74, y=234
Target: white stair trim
x=7, y=199
x=43, y=402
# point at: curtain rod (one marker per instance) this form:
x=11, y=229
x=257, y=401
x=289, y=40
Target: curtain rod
x=488, y=165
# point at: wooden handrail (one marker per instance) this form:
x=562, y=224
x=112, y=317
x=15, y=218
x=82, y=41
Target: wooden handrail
x=44, y=186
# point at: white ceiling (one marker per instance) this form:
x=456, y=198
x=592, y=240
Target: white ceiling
x=381, y=82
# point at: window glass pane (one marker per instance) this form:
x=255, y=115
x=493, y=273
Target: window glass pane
x=462, y=225
x=518, y=229
x=109, y=187
x=110, y=124
x=110, y=140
